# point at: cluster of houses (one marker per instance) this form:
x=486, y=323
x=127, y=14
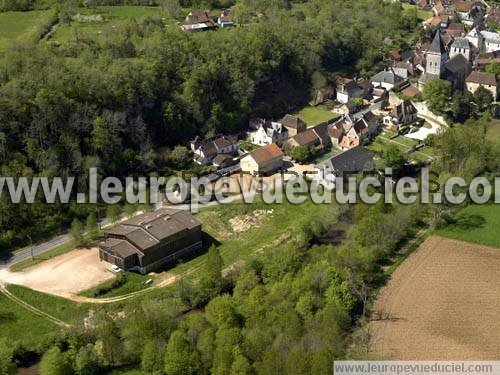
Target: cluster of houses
x=203, y=20
x=465, y=40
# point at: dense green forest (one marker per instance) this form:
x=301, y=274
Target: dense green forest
x=144, y=86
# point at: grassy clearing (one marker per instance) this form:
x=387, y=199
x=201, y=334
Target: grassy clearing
x=112, y=16
x=20, y=26
x=421, y=14
x=404, y=144
x=61, y=308
x=475, y=223
x=20, y=325
x=315, y=115
x=282, y=222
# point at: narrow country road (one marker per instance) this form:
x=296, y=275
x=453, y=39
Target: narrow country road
x=37, y=250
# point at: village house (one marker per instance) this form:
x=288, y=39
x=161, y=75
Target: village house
x=484, y=59
x=199, y=20
x=315, y=137
x=148, y=242
x=263, y=161
x=355, y=160
x=476, y=39
x=389, y=78
x=205, y=151
x=268, y=132
x=463, y=9
x=349, y=131
x=493, y=17
x=403, y=114
x=491, y=41
x=336, y=134
x=437, y=21
x=293, y=125
x=225, y=21
x=347, y=90
x=469, y=12
x=438, y=9
x=486, y=80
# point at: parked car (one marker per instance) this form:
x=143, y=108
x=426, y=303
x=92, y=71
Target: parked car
x=115, y=268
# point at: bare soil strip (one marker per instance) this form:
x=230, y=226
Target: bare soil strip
x=442, y=303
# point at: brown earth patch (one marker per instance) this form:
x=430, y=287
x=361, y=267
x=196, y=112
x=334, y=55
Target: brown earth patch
x=442, y=303
x=70, y=273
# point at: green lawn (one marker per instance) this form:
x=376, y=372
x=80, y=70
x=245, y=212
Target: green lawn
x=422, y=14
x=404, y=144
x=20, y=26
x=315, y=115
x=475, y=223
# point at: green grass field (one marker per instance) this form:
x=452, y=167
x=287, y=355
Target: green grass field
x=422, y=14
x=112, y=16
x=315, y=115
x=20, y=26
x=477, y=224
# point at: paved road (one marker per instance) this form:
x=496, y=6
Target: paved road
x=37, y=250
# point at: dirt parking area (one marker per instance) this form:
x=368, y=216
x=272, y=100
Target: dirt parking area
x=64, y=275
x=442, y=303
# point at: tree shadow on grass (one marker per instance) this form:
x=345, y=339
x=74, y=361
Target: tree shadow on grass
x=467, y=222
x=208, y=241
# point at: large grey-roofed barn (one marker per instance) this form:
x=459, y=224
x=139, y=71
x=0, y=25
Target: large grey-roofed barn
x=149, y=241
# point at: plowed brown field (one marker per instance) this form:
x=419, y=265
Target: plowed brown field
x=442, y=303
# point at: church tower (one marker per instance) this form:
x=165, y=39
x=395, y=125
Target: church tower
x=436, y=56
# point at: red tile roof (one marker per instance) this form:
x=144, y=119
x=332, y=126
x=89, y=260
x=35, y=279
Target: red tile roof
x=482, y=78
x=266, y=153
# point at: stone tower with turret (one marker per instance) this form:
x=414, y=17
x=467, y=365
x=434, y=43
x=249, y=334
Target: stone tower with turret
x=436, y=56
